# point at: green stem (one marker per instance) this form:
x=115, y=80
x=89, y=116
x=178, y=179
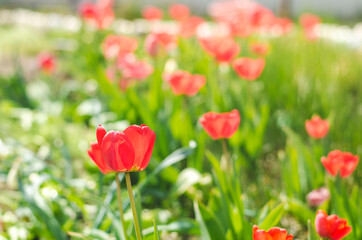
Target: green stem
x=120, y=206
x=226, y=158
x=133, y=206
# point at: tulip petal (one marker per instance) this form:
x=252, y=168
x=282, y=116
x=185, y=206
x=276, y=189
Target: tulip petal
x=341, y=233
x=96, y=155
x=142, y=139
x=118, y=151
x=100, y=134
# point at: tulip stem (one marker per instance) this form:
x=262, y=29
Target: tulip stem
x=226, y=162
x=120, y=205
x=133, y=206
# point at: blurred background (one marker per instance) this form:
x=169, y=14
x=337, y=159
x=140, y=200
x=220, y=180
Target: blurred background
x=347, y=10
x=57, y=84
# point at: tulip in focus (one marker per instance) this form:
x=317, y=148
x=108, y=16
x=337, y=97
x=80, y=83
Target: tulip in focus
x=46, y=62
x=223, y=49
x=318, y=196
x=221, y=125
x=152, y=13
x=344, y=162
x=331, y=227
x=179, y=11
x=248, y=68
x=274, y=233
x=185, y=83
x=158, y=42
x=259, y=48
x=98, y=14
x=126, y=151
x=317, y=127
x=114, y=46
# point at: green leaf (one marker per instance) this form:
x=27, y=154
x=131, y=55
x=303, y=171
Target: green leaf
x=156, y=236
x=188, y=226
x=300, y=210
x=273, y=218
x=312, y=235
x=187, y=178
x=209, y=225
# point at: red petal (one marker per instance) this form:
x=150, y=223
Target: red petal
x=118, y=151
x=96, y=155
x=100, y=134
x=142, y=139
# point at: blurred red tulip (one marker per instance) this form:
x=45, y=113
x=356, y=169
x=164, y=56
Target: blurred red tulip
x=98, y=14
x=179, y=11
x=282, y=26
x=189, y=26
x=46, y=62
x=309, y=21
x=242, y=17
x=126, y=151
x=223, y=49
x=114, y=46
x=344, y=162
x=133, y=68
x=317, y=127
x=220, y=125
x=156, y=42
x=152, y=13
x=96, y=155
x=331, y=227
x=274, y=233
x=248, y=68
x=318, y=196
x=184, y=83
x=259, y=48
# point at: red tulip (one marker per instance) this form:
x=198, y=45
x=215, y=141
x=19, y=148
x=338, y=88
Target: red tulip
x=184, y=83
x=242, y=17
x=220, y=125
x=223, y=49
x=152, y=13
x=98, y=14
x=318, y=196
x=331, y=227
x=114, y=46
x=282, y=26
x=134, y=69
x=259, y=48
x=274, y=233
x=96, y=155
x=179, y=11
x=189, y=26
x=248, y=68
x=309, y=22
x=126, y=151
x=344, y=162
x=317, y=127
x=47, y=62
x=156, y=42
